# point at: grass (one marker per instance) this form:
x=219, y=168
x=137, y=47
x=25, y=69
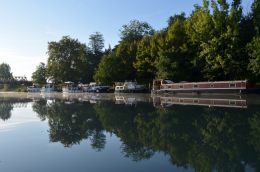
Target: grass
x=12, y=88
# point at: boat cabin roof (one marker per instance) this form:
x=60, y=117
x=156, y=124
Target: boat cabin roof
x=68, y=82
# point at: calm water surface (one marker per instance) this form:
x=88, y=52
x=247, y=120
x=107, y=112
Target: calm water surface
x=125, y=132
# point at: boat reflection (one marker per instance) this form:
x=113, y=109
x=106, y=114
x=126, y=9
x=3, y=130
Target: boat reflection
x=231, y=102
x=131, y=99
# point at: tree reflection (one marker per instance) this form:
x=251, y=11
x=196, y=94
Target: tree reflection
x=98, y=140
x=7, y=105
x=207, y=139
x=5, y=110
x=71, y=122
x=40, y=107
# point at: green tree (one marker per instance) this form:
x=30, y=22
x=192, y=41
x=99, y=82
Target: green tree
x=109, y=70
x=254, y=52
x=145, y=61
x=175, y=55
x=39, y=76
x=67, y=60
x=96, y=43
x=220, y=53
x=126, y=54
x=254, y=46
x=5, y=72
x=135, y=30
x=94, y=53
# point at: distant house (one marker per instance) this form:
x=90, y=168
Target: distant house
x=20, y=78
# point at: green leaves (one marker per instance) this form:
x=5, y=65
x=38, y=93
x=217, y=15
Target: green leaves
x=5, y=72
x=40, y=75
x=135, y=30
x=109, y=70
x=254, y=52
x=67, y=60
x=214, y=43
x=70, y=60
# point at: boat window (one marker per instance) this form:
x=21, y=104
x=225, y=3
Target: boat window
x=181, y=86
x=196, y=101
x=211, y=85
x=232, y=85
x=195, y=86
x=232, y=102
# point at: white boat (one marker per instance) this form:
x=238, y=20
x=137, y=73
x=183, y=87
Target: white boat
x=47, y=88
x=33, y=89
x=69, y=87
x=129, y=87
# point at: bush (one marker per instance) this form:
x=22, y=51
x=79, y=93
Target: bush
x=6, y=87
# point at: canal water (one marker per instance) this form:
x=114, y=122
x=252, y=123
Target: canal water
x=130, y=133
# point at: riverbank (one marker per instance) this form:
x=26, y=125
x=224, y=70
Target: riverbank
x=12, y=88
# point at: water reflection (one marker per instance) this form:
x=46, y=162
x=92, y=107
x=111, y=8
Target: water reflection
x=206, y=138
x=7, y=105
x=210, y=101
x=71, y=122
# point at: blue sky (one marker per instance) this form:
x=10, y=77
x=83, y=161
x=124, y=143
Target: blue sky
x=26, y=26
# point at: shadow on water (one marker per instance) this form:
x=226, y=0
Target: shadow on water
x=191, y=134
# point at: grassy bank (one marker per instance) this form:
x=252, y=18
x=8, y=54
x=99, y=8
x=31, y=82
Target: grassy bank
x=12, y=88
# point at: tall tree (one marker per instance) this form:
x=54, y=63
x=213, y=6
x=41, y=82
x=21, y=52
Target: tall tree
x=39, y=76
x=110, y=70
x=5, y=72
x=67, y=60
x=126, y=54
x=145, y=61
x=135, y=30
x=199, y=28
x=94, y=53
x=96, y=43
x=174, y=53
x=218, y=40
x=254, y=46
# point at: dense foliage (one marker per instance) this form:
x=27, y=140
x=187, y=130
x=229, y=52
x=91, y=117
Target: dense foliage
x=217, y=41
x=70, y=60
x=40, y=76
x=5, y=72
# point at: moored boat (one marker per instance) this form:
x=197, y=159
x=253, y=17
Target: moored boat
x=48, y=88
x=129, y=87
x=95, y=88
x=70, y=87
x=33, y=89
x=167, y=86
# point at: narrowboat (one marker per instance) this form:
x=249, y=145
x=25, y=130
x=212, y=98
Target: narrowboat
x=239, y=86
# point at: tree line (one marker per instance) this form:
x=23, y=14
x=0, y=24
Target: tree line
x=217, y=41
